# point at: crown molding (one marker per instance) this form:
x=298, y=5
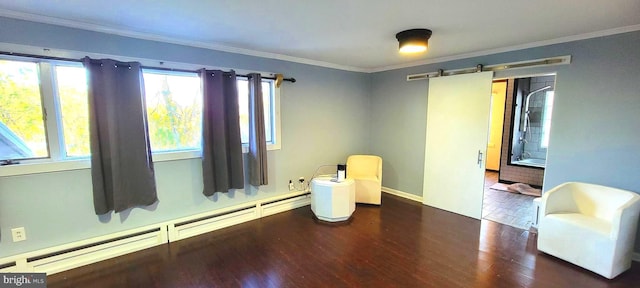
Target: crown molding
x=165, y=39
x=249, y=52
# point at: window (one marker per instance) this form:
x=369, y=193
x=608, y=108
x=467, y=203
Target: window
x=22, y=126
x=268, y=97
x=44, y=113
x=32, y=111
x=174, y=110
x=546, y=119
x=74, y=110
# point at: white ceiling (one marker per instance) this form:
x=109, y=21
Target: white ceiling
x=356, y=35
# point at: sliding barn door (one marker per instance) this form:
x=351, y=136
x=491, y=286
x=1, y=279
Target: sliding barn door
x=457, y=130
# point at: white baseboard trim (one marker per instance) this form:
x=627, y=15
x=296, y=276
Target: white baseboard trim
x=72, y=255
x=79, y=253
x=198, y=226
x=635, y=256
x=210, y=221
x=402, y=194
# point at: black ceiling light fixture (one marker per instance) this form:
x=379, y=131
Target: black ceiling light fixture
x=413, y=40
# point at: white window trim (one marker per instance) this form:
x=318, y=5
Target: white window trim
x=27, y=167
x=31, y=167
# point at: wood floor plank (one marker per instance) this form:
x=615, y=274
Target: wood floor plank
x=399, y=244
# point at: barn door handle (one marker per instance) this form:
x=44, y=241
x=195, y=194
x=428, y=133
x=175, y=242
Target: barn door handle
x=480, y=158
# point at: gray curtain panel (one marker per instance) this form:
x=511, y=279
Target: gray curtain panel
x=257, y=140
x=121, y=164
x=222, y=167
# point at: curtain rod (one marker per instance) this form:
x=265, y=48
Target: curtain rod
x=291, y=79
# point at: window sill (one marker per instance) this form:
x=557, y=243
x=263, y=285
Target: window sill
x=44, y=167
x=270, y=147
x=68, y=165
x=173, y=156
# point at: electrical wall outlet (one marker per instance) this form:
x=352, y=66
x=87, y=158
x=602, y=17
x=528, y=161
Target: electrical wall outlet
x=302, y=184
x=18, y=234
x=291, y=187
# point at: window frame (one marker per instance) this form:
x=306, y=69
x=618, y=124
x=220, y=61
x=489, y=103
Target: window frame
x=276, y=135
x=175, y=154
x=51, y=113
x=58, y=161
x=46, y=103
x=58, y=110
x=546, y=118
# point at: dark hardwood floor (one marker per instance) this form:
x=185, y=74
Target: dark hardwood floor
x=400, y=244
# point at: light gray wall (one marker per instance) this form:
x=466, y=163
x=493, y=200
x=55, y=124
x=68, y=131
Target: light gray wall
x=324, y=119
x=399, y=128
x=596, y=119
x=596, y=116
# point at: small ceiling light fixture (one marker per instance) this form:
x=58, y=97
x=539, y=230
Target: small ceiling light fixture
x=413, y=40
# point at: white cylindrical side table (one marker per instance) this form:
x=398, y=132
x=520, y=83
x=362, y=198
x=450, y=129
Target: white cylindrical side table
x=333, y=201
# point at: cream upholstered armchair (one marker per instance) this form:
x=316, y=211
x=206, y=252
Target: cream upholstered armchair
x=589, y=225
x=366, y=171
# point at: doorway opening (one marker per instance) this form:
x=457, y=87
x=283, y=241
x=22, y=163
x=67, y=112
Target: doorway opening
x=517, y=147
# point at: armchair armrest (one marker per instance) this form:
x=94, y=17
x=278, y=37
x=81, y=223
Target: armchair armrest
x=625, y=216
x=558, y=199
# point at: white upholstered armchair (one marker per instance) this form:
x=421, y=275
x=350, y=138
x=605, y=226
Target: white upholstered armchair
x=589, y=225
x=366, y=171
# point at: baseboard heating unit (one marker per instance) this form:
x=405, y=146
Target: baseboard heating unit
x=72, y=255
x=68, y=256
